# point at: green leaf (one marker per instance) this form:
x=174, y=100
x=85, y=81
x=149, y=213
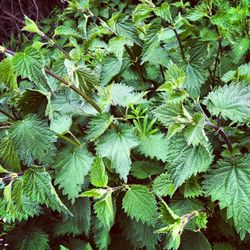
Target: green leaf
x=174, y=78
x=195, y=78
x=195, y=133
x=139, y=234
x=67, y=31
x=98, y=175
x=98, y=125
x=104, y=210
x=151, y=43
x=145, y=169
x=38, y=188
x=72, y=166
x=140, y=204
x=7, y=74
x=116, y=45
x=141, y=12
x=163, y=185
x=31, y=26
x=116, y=145
x=78, y=223
x=95, y=193
x=230, y=101
x=171, y=114
x=128, y=30
x=154, y=146
x=167, y=215
x=194, y=241
x=101, y=234
x=123, y=95
x=227, y=183
x=192, y=188
x=37, y=239
x=110, y=68
x=81, y=76
x=164, y=12
x=33, y=140
x=30, y=64
x=241, y=47
x=8, y=155
x=185, y=160
x=61, y=124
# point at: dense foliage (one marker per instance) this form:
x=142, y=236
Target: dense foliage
x=127, y=127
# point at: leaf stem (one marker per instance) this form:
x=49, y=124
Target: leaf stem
x=222, y=133
x=7, y=114
x=69, y=140
x=74, y=88
x=137, y=65
x=79, y=143
x=216, y=60
x=180, y=44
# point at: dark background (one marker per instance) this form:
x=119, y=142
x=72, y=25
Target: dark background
x=12, y=11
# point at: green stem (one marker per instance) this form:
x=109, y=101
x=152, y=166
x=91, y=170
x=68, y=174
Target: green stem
x=69, y=140
x=74, y=138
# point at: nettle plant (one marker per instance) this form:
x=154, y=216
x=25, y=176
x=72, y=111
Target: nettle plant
x=127, y=127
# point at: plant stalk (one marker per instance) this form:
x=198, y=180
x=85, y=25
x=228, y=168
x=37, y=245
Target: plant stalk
x=7, y=114
x=222, y=133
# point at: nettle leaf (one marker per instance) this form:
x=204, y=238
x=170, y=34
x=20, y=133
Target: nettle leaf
x=7, y=74
x=195, y=241
x=31, y=26
x=35, y=239
x=164, y=12
x=98, y=125
x=116, y=45
x=67, y=31
x=139, y=234
x=72, y=166
x=230, y=101
x=195, y=133
x=128, y=30
x=154, y=146
x=140, y=204
x=170, y=114
x=83, y=77
x=98, y=175
x=241, y=47
x=185, y=160
x=110, y=68
x=104, y=210
x=163, y=185
x=8, y=155
x=142, y=11
x=101, y=234
x=33, y=140
x=61, y=123
x=145, y=169
x=123, y=95
x=195, y=78
x=227, y=183
x=174, y=78
x=30, y=64
x=192, y=188
x=38, y=188
x=151, y=43
x=116, y=146
x=78, y=223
